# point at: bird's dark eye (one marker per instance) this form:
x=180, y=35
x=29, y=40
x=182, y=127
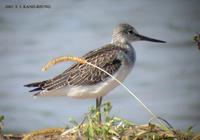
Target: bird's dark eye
x=130, y=32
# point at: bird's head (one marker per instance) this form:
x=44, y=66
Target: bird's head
x=125, y=33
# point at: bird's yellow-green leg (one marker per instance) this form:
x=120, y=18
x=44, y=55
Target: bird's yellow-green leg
x=98, y=108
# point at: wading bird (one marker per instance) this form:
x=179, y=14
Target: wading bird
x=84, y=81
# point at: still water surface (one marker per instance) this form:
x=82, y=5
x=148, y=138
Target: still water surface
x=166, y=77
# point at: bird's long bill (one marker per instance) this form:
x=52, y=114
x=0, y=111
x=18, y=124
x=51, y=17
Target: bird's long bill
x=149, y=39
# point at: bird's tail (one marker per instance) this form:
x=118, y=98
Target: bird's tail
x=37, y=86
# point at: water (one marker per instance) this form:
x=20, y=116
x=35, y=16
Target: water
x=166, y=77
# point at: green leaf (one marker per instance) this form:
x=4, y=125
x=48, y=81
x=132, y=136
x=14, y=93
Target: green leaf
x=90, y=131
x=72, y=121
x=1, y=118
x=189, y=129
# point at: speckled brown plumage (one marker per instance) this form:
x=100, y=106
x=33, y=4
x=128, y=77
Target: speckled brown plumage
x=84, y=74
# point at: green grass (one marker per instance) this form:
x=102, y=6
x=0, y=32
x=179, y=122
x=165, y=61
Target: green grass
x=111, y=128
x=1, y=122
x=117, y=128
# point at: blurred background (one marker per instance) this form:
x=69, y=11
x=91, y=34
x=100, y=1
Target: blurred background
x=166, y=77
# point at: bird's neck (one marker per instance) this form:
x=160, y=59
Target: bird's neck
x=120, y=43
x=129, y=50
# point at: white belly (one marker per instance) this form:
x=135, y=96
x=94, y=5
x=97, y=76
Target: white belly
x=93, y=91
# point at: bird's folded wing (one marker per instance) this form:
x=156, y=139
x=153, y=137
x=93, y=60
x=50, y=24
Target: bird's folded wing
x=83, y=74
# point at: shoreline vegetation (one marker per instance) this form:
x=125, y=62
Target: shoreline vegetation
x=196, y=39
x=111, y=128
